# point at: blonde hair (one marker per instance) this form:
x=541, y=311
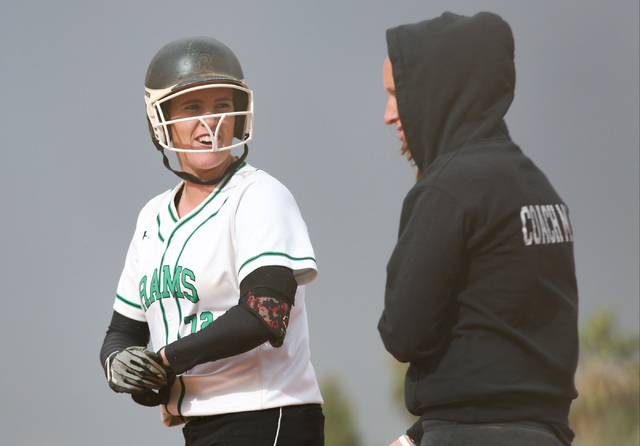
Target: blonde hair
x=404, y=151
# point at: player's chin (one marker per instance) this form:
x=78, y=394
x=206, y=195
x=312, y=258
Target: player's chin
x=207, y=161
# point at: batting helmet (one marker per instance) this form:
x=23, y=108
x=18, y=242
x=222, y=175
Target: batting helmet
x=193, y=63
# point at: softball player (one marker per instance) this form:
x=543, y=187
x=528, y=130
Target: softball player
x=216, y=271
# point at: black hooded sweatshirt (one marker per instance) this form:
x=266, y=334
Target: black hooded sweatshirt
x=481, y=295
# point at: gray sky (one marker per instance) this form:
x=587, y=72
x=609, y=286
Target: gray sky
x=78, y=164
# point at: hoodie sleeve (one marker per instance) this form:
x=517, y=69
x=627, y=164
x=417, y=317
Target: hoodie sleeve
x=422, y=276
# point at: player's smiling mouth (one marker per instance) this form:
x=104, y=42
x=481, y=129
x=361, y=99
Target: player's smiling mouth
x=204, y=139
x=207, y=141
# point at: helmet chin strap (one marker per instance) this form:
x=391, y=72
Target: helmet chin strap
x=194, y=179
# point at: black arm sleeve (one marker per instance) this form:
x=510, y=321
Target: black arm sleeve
x=278, y=279
x=123, y=332
x=239, y=329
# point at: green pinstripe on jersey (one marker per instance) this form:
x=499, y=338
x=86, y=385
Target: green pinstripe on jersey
x=173, y=216
x=159, y=232
x=183, y=391
x=131, y=304
x=271, y=253
x=170, y=238
x=175, y=267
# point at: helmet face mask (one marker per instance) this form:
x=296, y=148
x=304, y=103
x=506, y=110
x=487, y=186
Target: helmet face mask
x=190, y=64
x=160, y=124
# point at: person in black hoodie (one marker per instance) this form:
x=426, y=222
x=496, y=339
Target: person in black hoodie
x=481, y=294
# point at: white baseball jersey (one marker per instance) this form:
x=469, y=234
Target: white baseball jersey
x=181, y=274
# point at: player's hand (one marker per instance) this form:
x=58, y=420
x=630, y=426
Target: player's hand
x=151, y=398
x=136, y=370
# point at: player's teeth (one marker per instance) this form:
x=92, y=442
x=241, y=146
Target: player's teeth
x=205, y=140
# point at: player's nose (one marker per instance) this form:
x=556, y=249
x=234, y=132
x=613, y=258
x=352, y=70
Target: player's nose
x=391, y=111
x=210, y=121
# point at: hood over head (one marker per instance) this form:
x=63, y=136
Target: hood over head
x=454, y=78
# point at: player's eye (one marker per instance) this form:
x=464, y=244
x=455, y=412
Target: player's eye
x=224, y=106
x=188, y=110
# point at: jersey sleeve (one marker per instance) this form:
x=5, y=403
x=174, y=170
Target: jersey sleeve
x=127, y=300
x=270, y=230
